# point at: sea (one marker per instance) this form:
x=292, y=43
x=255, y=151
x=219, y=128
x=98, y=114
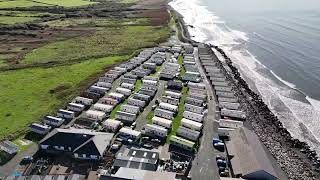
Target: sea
x=276, y=46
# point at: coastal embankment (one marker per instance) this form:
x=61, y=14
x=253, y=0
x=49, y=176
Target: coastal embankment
x=296, y=158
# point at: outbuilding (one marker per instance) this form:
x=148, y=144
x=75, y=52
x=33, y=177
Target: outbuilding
x=112, y=125
x=162, y=122
x=155, y=130
x=129, y=133
x=191, y=124
x=39, y=128
x=193, y=116
x=188, y=133
x=103, y=107
x=65, y=114
x=130, y=109
x=95, y=115
x=53, y=121
x=163, y=113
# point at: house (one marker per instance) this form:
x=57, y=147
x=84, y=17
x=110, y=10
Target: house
x=123, y=91
x=191, y=76
x=170, y=100
x=127, y=86
x=65, y=114
x=248, y=157
x=75, y=107
x=196, y=85
x=173, y=94
x=129, y=133
x=191, y=124
x=109, y=101
x=195, y=102
x=155, y=131
x=163, y=113
x=150, y=65
x=126, y=117
x=193, y=116
x=80, y=143
x=147, y=92
x=227, y=105
x=141, y=97
x=104, y=84
x=106, y=79
x=225, y=94
x=9, y=148
x=103, y=107
x=229, y=100
x=174, y=85
x=98, y=90
x=228, y=123
x=112, y=125
x=130, y=109
x=128, y=80
x=199, y=96
x=192, y=108
x=149, y=82
x=233, y=113
x=53, y=121
x=162, y=122
x=169, y=107
x=83, y=100
x=95, y=115
x=182, y=143
x=118, y=96
x=39, y=128
x=125, y=173
x=136, y=102
x=188, y=133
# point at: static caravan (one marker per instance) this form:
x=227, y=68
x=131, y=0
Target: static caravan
x=182, y=143
x=212, y=69
x=189, y=63
x=112, y=125
x=39, y=128
x=109, y=101
x=129, y=133
x=196, y=85
x=169, y=107
x=197, y=91
x=149, y=82
x=65, y=114
x=217, y=74
x=149, y=65
x=127, y=65
x=127, y=86
x=218, y=79
x=95, y=115
x=103, y=107
x=225, y=94
x=224, y=131
x=106, y=79
x=228, y=123
x=141, y=97
x=155, y=130
x=151, y=78
x=130, y=109
x=188, y=133
x=123, y=91
x=173, y=94
x=97, y=89
x=122, y=70
x=127, y=117
x=104, y=84
x=170, y=100
x=201, y=97
x=147, y=92
x=53, y=121
x=163, y=113
x=91, y=95
x=193, y=116
x=128, y=80
x=83, y=100
x=195, y=102
x=191, y=124
x=149, y=87
x=217, y=83
x=118, y=96
x=223, y=88
x=75, y=107
x=233, y=113
x=162, y=122
x=192, y=108
x=130, y=76
x=227, y=105
x=191, y=76
x=229, y=100
x=136, y=102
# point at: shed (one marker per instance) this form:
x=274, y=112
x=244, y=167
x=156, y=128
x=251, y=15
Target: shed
x=162, y=122
x=182, y=143
x=191, y=124
x=96, y=115
x=193, y=116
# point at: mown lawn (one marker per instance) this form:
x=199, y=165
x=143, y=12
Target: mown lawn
x=19, y=3
x=26, y=95
x=105, y=42
x=31, y=3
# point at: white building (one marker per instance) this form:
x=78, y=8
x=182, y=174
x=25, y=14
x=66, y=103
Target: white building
x=223, y=88
x=123, y=91
x=128, y=80
x=103, y=107
x=224, y=131
x=104, y=84
x=152, y=78
x=109, y=101
x=106, y=79
x=169, y=107
x=53, y=121
x=97, y=89
x=193, y=116
x=163, y=113
x=191, y=76
x=65, y=114
x=122, y=70
x=147, y=92
x=96, y=115
x=136, y=102
x=76, y=107
x=130, y=109
x=149, y=82
x=155, y=130
x=173, y=94
x=188, y=133
x=142, y=97
x=127, y=86
x=193, y=108
x=117, y=96
x=228, y=123
x=129, y=133
x=195, y=102
x=191, y=124
x=162, y=122
x=170, y=100
x=112, y=125
x=126, y=117
x=39, y=128
x=83, y=100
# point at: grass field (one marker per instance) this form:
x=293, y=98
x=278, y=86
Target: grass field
x=19, y=3
x=179, y=116
x=13, y=17
x=25, y=94
x=106, y=42
x=149, y=117
x=31, y=3
x=14, y=20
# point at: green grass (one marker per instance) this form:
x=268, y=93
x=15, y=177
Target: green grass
x=19, y=3
x=22, y=147
x=149, y=117
x=66, y=3
x=117, y=108
x=137, y=85
x=182, y=70
x=26, y=95
x=13, y=17
x=14, y=20
x=177, y=119
x=106, y=42
x=128, y=1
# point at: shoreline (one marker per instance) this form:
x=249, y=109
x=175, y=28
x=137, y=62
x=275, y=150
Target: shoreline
x=294, y=157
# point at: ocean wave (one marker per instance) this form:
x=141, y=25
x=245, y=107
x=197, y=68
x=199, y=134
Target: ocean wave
x=299, y=115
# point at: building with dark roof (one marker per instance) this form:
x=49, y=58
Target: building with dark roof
x=80, y=143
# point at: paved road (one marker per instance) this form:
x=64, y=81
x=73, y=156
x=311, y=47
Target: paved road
x=204, y=165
